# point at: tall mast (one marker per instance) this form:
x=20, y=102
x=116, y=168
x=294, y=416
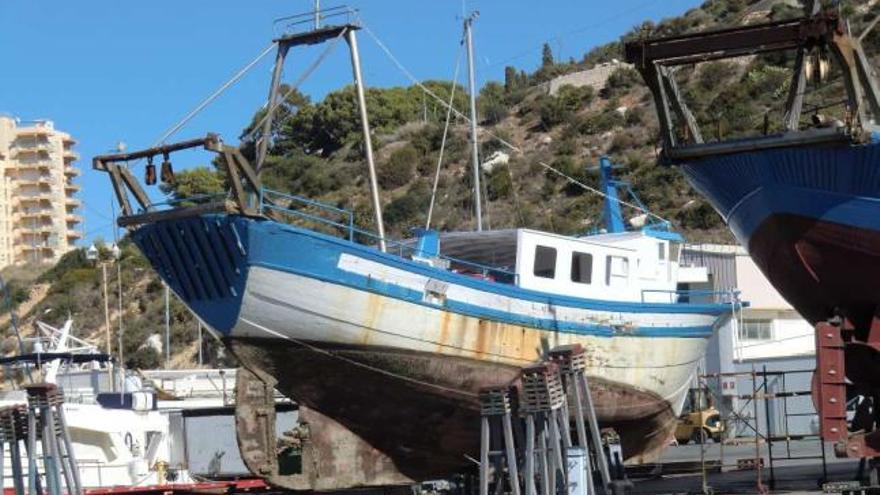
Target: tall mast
x=317, y=14
x=472, y=86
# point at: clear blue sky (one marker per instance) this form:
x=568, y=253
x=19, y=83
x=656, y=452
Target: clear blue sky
x=111, y=70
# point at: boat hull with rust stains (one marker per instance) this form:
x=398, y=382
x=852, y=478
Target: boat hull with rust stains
x=358, y=336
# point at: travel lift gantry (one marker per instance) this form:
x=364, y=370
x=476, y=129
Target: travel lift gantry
x=847, y=346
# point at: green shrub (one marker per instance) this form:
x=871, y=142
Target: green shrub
x=498, y=185
x=399, y=168
x=491, y=103
x=144, y=358
x=555, y=110
x=402, y=210
x=622, y=80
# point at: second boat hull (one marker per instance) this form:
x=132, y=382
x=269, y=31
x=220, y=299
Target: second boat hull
x=810, y=219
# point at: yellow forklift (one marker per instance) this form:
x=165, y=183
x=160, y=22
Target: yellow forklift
x=699, y=420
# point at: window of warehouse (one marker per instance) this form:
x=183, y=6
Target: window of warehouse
x=756, y=330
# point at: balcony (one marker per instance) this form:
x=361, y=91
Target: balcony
x=29, y=248
x=72, y=187
x=35, y=213
x=74, y=234
x=72, y=202
x=37, y=130
x=70, y=155
x=43, y=180
x=73, y=218
x=34, y=198
x=20, y=150
x=35, y=230
x=34, y=165
x=71, y=171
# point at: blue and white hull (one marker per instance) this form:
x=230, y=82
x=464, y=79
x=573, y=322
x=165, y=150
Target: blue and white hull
x=396, y=350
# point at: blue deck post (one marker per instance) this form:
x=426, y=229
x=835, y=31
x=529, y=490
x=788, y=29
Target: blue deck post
x=613, y=216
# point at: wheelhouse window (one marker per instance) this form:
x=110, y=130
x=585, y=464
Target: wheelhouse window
x=582, y=268
x=545, y=262
x=661, y=251
x=616, y=271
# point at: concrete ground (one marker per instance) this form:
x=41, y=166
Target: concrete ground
x=791, y=476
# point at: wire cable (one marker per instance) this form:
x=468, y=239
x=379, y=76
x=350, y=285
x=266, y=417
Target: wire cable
x=443, y=140
x=213, y=96
x=305, y=75
x=504, y=142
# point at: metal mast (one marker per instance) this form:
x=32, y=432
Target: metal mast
x=368, y=143
x=472, y=87
x=317, y=14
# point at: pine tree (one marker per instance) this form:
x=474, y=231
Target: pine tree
x=546, y=56
x=510, y=79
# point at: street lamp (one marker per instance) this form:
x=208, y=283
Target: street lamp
x=92, y=253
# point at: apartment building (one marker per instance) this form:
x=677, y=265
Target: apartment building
x=39, y=211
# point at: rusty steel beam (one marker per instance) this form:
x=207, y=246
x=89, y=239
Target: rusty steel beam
x=210, y=142
x=316, y=36
x=732, y=42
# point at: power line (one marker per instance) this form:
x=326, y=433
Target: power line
x=559, y=37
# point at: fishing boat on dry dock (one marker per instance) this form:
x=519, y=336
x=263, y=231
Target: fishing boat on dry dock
x=805, y=200
x=385, y=344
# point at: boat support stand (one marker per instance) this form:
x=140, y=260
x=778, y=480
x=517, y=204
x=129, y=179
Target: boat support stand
x=849, y=350
x=537, y=454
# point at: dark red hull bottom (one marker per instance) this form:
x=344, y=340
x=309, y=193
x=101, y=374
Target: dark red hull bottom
x=821, y=268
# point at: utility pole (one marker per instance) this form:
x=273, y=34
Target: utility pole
x=109, y=344
x=201, y=360
x=121, y=328
x=167, y=327
x=472, y=86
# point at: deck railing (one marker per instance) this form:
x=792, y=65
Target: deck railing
x=695, y=296
x=340, y=222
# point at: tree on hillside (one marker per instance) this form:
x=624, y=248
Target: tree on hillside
x=195, y=182
x=510, y=79
x=546, y=56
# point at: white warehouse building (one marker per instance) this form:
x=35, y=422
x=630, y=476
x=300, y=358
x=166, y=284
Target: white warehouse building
x=767, y=333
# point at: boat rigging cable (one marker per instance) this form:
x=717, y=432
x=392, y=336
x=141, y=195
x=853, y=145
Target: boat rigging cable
x=504, y=142
x=305, y=75
x=443, y=140
x=213, y=96
x=235, y=78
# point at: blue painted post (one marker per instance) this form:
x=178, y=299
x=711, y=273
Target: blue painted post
x=613, y=215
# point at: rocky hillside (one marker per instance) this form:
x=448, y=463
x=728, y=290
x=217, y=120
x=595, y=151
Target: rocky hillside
x=565, y=114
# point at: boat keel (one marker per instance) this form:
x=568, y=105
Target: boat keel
x=332, y=457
